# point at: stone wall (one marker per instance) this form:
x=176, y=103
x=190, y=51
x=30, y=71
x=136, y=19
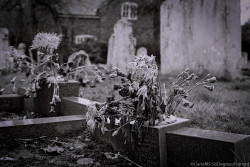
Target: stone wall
x=204, y=35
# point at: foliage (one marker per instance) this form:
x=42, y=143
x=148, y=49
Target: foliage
x=142, y=102
x=29, y=15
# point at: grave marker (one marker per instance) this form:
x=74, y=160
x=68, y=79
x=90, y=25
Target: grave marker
x=122, y=44
x=4, y=46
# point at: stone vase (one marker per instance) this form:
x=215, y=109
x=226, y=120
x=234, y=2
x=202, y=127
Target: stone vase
x=41, y=103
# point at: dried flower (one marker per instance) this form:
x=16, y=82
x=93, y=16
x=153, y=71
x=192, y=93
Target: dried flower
x=115, y=133
x=211, y=80
x=210, y=88
x=52, y=109
x=48, y=41
x=143, y=91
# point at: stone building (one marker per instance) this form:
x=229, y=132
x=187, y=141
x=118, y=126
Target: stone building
x=82, y=20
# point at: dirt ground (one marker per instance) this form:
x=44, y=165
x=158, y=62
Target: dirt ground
x=72, y=150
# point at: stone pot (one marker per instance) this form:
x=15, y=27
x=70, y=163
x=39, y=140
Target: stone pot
x=41, y=103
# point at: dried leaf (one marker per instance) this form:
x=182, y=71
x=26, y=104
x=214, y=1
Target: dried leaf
x=111, y=155
x=54, y=149
x=115, y=133
x=210, y=88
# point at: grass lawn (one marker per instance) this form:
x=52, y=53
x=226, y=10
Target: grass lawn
x=227, y=108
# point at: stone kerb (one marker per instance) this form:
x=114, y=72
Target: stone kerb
x=190, y=146
x=32, y=128
x=75, y=106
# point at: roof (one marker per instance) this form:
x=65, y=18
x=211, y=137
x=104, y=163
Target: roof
x=81, y=7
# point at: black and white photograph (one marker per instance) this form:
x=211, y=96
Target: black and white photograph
x=124, y=83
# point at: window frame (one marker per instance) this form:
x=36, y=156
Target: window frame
x=79, y=39
x=129, y=8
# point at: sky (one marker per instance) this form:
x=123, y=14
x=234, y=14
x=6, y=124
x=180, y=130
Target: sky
x=245, y=11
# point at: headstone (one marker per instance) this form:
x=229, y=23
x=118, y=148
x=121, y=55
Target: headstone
x=4, y=46
x=141, y=51
x=202, y=35
x=193, y=147
x=80, y=58
x=122, y=44
x=77, y=59
x=243, y=62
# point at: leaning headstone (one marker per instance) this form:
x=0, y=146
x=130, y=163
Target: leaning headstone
x=4, y=46
x=141, y=51
x=121, y=45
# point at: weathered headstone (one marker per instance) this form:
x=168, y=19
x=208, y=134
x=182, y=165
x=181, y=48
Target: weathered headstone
x=4, y=46
x=80, y=58
x=77, y=59
x=243, y=61
x=121, y=45
x=203, y=35
x=141, y=50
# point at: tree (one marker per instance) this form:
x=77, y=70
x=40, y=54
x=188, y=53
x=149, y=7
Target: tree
x=28, y=14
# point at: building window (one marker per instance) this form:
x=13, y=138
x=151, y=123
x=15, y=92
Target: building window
x=129, y=10
x=83, y=38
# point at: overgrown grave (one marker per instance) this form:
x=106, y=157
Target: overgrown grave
x=139, y=120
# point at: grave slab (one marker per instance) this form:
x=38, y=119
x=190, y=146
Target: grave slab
x=151, y=151
x=11, y=103
x=50, y=127
x=191, y=147
x=75, y=106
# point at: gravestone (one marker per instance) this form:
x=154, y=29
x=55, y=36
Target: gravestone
x=141, y=51
x=201, y=35
x=80, y=58
x=4, y=46
x=121, y=47
x=77, y=59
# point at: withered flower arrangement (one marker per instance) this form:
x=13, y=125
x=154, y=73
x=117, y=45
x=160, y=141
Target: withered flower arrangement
x=142, y=100
x=49, y=72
